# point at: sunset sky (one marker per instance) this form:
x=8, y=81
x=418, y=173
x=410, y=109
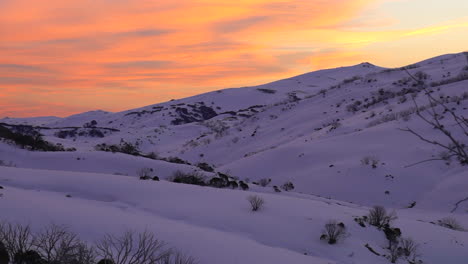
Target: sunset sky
x=60, y=57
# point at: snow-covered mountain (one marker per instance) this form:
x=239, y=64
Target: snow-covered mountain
x=335, y=134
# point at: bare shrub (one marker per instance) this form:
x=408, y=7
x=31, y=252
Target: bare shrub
x=178, y=258
x=370, y=160
x=195, y=178
x=267, y=91
x=405, y=247
x=256, y=202
x=145, y=173
x=218, y=127
x=264, y=182
x=55, y=244
x=395, y=252
x=379, y=217
x=16, y=238
x=451, y=223
x=333, y=232
x=409, y=247
x=288, y=186
x=130, y=248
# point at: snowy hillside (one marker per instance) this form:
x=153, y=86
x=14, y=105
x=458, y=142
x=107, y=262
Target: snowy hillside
x=335, y=134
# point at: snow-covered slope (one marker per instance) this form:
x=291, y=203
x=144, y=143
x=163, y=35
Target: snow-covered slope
x=315, y=130
x=215, y=225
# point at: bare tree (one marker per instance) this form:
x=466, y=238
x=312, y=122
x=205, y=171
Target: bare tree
x=55, y=244
x=379, y=217
x=84, y=254
x=178, y=258
x=334, y=231
x=256, y=202
x=4, y=256
x=130, y=248
x=16, y=238
x=456, y=134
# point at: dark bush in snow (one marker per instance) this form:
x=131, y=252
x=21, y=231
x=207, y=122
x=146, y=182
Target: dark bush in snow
x=256, y=202
x=218, y=182
x=28, y=138
x=451, y=223
x=243, y=185
x=176, y=160
x=124, y=147
x=105, y=261
x=370, y=160
x=288, y=186
x=4, y=257
x=333, y=232
x=28, y=257
x=361, y=220
x=145, y=173
x=379, y=217
x=392, y=235
x=233, y=184
x=205, y=166
x=264, y=182
x=267, y=91
x=405, y=247
x=194, y=178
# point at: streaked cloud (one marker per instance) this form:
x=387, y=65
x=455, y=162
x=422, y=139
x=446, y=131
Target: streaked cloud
x=68, y=53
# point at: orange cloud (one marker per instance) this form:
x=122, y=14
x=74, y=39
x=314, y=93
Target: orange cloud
x=69, y=55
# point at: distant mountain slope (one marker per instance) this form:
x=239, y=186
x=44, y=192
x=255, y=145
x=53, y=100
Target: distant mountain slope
x=334, y=134
x=313, y=129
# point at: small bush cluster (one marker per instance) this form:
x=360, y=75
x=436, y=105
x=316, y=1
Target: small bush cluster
x=123, y=147
x=370, y=160
x=218, y=127
x=29, y=139
x=352, y=79
x=381, y=96
x=451, y=223
x=333, y=232
x=380, y=218
x=461, y=77
x=147, y=174
x=256, y=202
x=57, y=245
x=288, y=186
x=398, y=247
x=225, y=181
x=7, y=163
x=84, y=132
x=267, y=91
x=205, y=166
x=264, y=182
x=176, y=160
x=194, y=178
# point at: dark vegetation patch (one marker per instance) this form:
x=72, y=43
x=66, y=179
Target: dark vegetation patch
x=27, y=137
